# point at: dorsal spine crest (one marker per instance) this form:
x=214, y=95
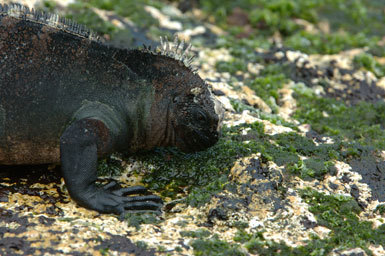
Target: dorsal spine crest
x=177, y=50
x=22, y=12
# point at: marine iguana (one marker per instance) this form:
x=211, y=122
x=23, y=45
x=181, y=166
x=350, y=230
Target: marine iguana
x=66, y=97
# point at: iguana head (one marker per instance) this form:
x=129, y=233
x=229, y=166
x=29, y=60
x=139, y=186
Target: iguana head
x=194, y=116
x=184, y=113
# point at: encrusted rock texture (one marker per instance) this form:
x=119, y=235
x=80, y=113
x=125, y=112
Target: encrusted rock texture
x=266, y=203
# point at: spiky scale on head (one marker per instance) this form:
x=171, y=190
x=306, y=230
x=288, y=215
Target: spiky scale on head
x=177, y=51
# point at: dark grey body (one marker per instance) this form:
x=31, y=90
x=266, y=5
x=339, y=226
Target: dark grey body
x=45, y=89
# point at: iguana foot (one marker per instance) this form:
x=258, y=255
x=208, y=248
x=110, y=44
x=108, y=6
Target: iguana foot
x=80, y=145
x=108, y=200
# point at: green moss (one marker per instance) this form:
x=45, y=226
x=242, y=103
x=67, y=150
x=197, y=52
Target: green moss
x=142, y=245
x=200, y=233
x=278, y=120
x=182, y=223
x=336, y=212
x=261, y=246
x=328, y=43
x=239, y=106
x=67, y=219
x=367, y=62
x=231, y=66
x=161, y=249
x=215, y=247
x=380, y=209
x=292, y=145
x=131, y=9
x=48, y=5
x=242, y=236
x=242, y=52
x=296, y=143
x=109, y=166
x=82, y=13
x=201, y=195
x=257, y=244
x=240, y=224
x=368, y=119
x=361, y=21
x=269, y=81
x=135, y=219
x=340, y=214
x=243, y=48
x=104, y=251
x=311, y=168
x=271, y=14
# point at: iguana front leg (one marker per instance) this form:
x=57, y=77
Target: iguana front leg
x=80, y=145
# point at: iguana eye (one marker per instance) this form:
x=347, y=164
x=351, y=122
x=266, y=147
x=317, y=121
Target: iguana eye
x=200, y=116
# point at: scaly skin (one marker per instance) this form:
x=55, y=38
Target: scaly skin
x=66, y=97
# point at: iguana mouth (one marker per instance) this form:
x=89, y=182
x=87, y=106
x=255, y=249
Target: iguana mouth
x=195, y=139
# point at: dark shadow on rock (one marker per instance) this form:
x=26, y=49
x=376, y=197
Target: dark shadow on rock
x=22, y=180
x=122, y=244
x=354, y=91
x=373, y=174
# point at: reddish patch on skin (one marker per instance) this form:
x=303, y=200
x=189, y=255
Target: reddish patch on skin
x=158, y=120
x=104, y=138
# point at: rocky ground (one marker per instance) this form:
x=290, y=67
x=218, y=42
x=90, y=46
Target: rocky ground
x=299, y=170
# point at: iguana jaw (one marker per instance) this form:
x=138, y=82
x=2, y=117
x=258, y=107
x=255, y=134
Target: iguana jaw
x=160, y=132
x=169, y=133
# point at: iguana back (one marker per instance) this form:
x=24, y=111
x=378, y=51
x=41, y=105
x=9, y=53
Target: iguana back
x=47, y=74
